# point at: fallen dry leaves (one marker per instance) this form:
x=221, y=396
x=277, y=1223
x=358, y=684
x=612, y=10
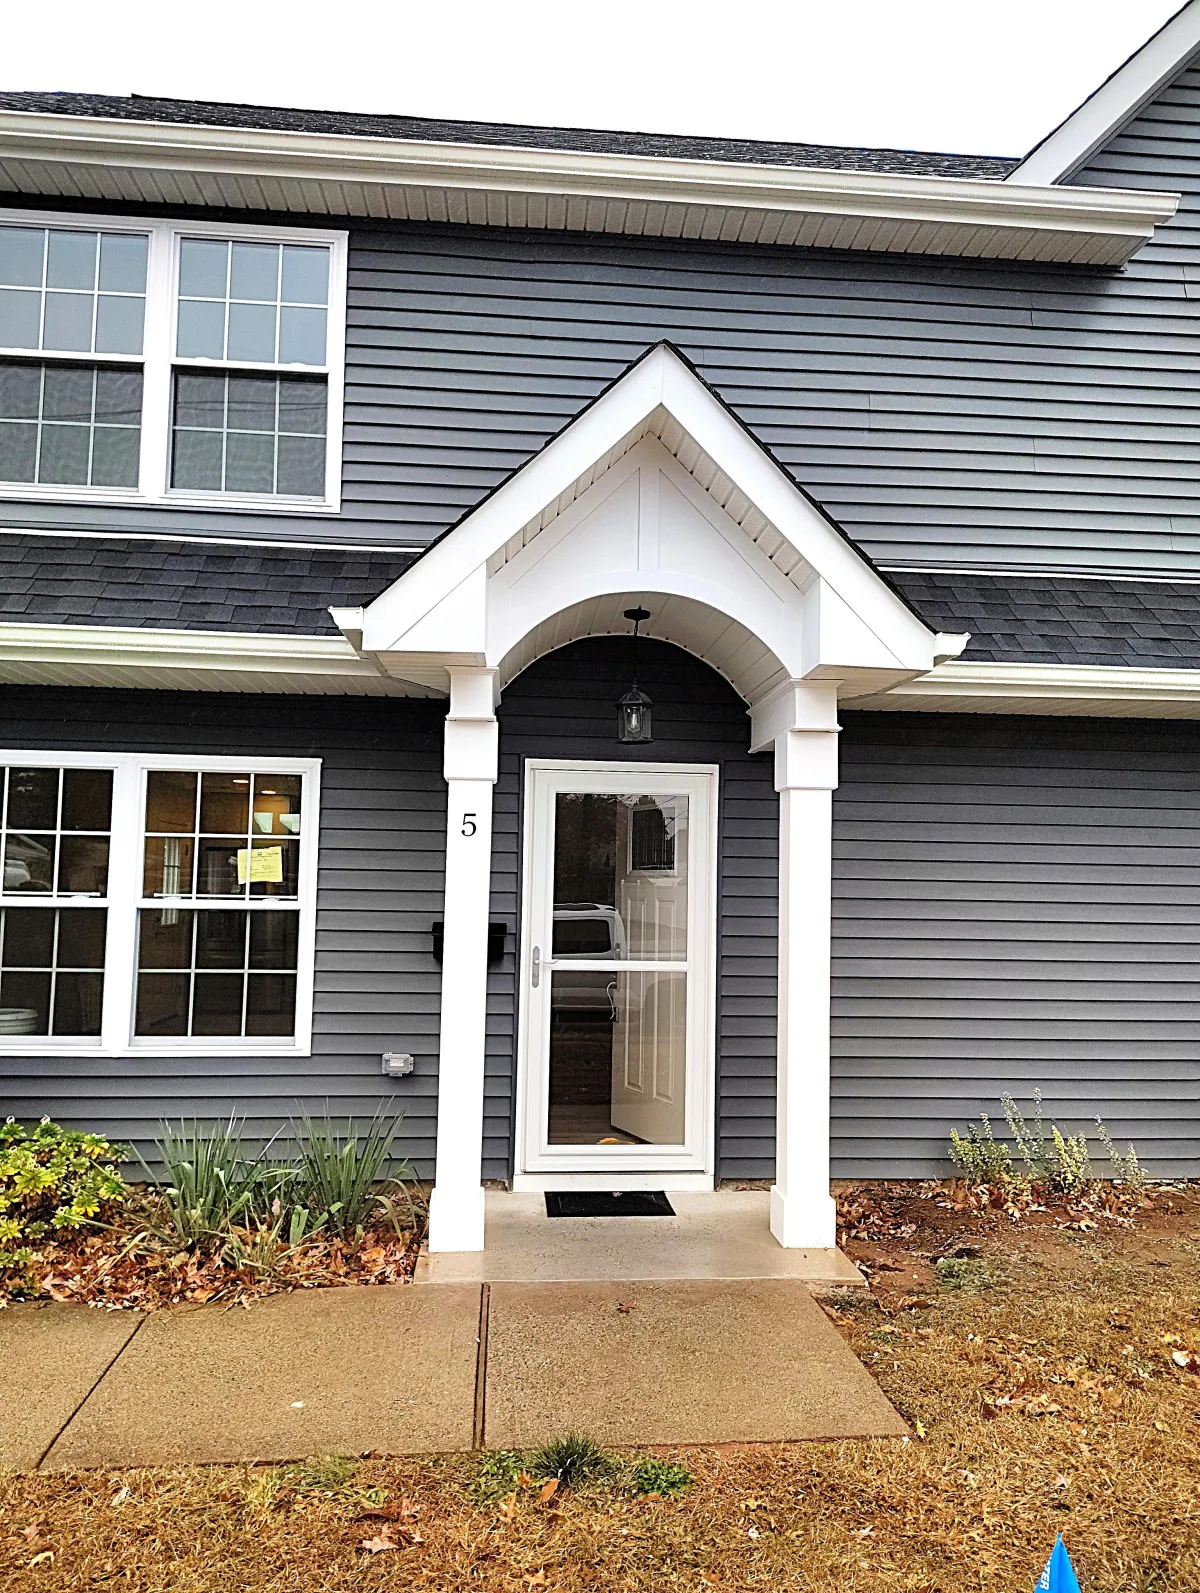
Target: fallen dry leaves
x=131, y=1267
x=1056, y=1399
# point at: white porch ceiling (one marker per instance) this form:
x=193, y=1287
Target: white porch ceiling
x=728, y=647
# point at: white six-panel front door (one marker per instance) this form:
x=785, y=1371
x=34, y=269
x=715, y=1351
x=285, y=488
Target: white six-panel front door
x=615, y=1083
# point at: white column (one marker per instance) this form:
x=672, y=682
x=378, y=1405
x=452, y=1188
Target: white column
x=456, y=1208
x=800, y=721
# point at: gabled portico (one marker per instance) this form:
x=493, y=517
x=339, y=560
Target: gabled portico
x=656, y=495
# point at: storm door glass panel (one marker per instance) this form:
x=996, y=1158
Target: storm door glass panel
x=620, y=876
x=618, y=974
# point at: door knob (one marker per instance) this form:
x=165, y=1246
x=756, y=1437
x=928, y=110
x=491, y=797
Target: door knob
x=535, y=967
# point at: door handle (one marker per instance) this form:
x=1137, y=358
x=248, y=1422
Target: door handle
x=535, y=967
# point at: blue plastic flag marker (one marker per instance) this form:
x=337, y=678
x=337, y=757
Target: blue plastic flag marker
x=1059, y=1576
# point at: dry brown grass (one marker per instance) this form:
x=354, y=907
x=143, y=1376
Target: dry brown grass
x=1050, y=1401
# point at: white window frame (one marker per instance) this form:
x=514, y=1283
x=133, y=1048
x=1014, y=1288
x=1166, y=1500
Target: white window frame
x=125, y=900
x=157, y=362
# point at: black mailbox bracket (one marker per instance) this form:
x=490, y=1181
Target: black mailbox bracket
x=497, y=935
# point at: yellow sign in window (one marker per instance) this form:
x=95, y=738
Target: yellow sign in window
x=261, y=865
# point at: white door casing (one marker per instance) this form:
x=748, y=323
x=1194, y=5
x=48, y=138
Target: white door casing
x=681, y=1094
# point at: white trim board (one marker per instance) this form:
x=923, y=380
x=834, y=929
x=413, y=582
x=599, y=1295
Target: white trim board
x=1095, y=690
x=33, y=654
x=104, y=158
x=1115, y=103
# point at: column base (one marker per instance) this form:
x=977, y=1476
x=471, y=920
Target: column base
x=456, y=1218
x=804, y=1221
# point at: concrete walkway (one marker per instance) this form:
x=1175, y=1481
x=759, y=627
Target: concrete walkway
x=440, y=1369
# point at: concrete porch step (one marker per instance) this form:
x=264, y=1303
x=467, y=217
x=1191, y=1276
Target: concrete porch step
x=722, y=1235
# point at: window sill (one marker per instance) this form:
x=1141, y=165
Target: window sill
x=127, y=498
x=62, y=1048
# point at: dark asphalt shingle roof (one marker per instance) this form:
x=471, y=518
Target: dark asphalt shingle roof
x=174, y=584
x=288, y=590
x=675, y=146
x=1051, y=619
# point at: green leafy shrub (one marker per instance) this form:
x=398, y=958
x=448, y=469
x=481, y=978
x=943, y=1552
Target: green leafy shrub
x=52, y=1180
x=1126, y=1168
x=1059, y=1163
x=979, y=1156
x=499, y=1473
x=1054, y=1158
x=663, y=1477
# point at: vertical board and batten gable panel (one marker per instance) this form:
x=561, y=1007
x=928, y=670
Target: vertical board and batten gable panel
x=945, y=411
x=379, y=887
x=563, y=706
x=1016, y=906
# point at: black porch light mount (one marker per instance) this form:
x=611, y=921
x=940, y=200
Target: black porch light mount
x=633, y=709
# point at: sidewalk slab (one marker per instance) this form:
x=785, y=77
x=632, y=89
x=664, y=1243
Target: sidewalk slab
x=346, y=1371
x=673, y=1363
x=52, y=1356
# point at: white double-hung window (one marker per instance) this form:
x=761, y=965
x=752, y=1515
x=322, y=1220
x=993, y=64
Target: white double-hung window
x=171, y=362
x=156, y=903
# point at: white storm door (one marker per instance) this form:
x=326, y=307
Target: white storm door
x=618, y=975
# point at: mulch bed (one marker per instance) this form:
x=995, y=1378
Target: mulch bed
x=1060, y=1391
x=132, y=1265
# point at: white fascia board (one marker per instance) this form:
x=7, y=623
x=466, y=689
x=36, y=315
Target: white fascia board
x=1115, y=103
x=142, y=648
x=574, y=190
x=626, y=405
x=1080, y=684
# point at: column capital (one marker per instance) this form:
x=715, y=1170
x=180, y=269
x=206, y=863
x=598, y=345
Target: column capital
x=472, y=736
x=793, y=705
x=473, y=692
x=806, y=760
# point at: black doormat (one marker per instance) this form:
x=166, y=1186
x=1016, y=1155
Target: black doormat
x=599, y=1203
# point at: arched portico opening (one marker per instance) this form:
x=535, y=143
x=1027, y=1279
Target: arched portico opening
x=560, y=711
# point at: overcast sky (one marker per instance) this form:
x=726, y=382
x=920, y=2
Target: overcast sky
x=980, y=76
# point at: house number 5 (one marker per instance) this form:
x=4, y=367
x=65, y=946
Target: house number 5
x=469, y=825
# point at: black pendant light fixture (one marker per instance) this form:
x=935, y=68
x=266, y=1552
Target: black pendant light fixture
x=633, y=710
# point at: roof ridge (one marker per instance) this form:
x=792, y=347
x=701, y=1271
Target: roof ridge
x=751, y=151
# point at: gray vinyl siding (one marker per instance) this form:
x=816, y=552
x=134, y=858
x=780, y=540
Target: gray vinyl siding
x=380, y=884
x=1016, y=905
x=946, y=412
x=562, y=707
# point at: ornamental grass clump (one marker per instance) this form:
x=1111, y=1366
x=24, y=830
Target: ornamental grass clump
x=53, y=1181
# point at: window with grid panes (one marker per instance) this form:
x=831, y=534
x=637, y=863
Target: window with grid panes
x=240, y=334
x=53, y=909
x=244, y=303
x=73, y=302
x=218, y=923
